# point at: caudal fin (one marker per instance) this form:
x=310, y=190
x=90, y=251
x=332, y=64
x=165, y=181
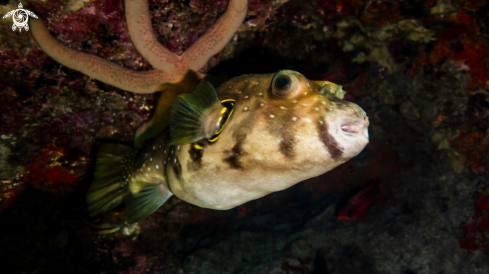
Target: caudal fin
x=110, y=185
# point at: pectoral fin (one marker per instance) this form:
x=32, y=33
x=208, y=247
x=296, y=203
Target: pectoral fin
x=145, y=201
x=195, y=115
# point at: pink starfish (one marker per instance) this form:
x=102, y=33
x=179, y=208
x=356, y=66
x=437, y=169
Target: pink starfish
x=173, y=74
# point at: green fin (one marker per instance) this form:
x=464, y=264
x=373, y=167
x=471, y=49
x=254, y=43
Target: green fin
x=190, y=113
x=143, y=203
x=109, y=185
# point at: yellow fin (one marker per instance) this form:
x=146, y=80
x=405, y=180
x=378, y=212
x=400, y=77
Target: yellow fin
x=161, y=117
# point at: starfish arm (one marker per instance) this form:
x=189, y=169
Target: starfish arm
x=140, y=30
x=98, y=68
x=216, y=38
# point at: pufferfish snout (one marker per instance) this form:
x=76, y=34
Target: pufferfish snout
x=352, y=132
x=346, y=123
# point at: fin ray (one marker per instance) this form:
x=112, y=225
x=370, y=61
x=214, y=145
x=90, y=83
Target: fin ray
x=109, y=185
x=188, y=112
x=146, y=201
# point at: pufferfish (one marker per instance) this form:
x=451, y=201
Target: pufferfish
x=254, y=135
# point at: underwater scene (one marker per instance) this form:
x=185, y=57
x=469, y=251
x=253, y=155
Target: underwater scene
x=244, y=136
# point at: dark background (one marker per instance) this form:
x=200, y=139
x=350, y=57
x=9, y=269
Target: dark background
x=418, y=68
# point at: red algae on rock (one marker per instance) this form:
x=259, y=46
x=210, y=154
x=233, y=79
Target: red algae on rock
x=49, y=171
x=461, y=43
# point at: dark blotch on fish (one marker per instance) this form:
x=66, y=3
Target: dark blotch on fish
x=287, y=144
x=196, y=156
x=236, y=152
x=329, y=141
x=177, y=168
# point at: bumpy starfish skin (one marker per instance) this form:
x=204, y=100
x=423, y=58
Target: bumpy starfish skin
x=169, y=67
x=213, y=41
x=96, y=67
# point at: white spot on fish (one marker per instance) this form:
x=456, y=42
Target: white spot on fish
x=230, y=87
x=278, y=141
x=260, y=94
x=154, y=147
x=175, y=160
x=239, y=91
x=316, y=109
x=298, y=136
x=294, y=101
x=245, y=108
x=257, y=83
x=330, y=109
x=305, y=93
x=246, y=97
x=321, y=122
x=144, y=165
x=156, y=166
x=307, y=120
x=282, y=107
x=151, y=159
x=149, y=169
x=272, y=116
x=246, y=81
x=294, y=118
x=262, y=104
x=304, y=105
x=178, y=147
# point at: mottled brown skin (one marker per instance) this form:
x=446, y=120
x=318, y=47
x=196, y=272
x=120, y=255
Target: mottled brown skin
x=269, y=143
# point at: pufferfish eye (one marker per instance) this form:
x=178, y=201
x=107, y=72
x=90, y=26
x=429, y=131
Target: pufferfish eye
x=283, y=83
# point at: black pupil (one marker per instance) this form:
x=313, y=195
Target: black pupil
x=282, y=82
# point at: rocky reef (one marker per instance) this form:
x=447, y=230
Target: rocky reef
x=418, y=68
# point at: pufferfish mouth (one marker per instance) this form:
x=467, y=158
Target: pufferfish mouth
x=356, y=127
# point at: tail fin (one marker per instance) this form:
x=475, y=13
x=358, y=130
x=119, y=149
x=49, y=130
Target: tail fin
x=110, y=186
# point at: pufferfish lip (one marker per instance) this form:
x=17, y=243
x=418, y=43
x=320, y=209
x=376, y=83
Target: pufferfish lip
x=356, y=127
